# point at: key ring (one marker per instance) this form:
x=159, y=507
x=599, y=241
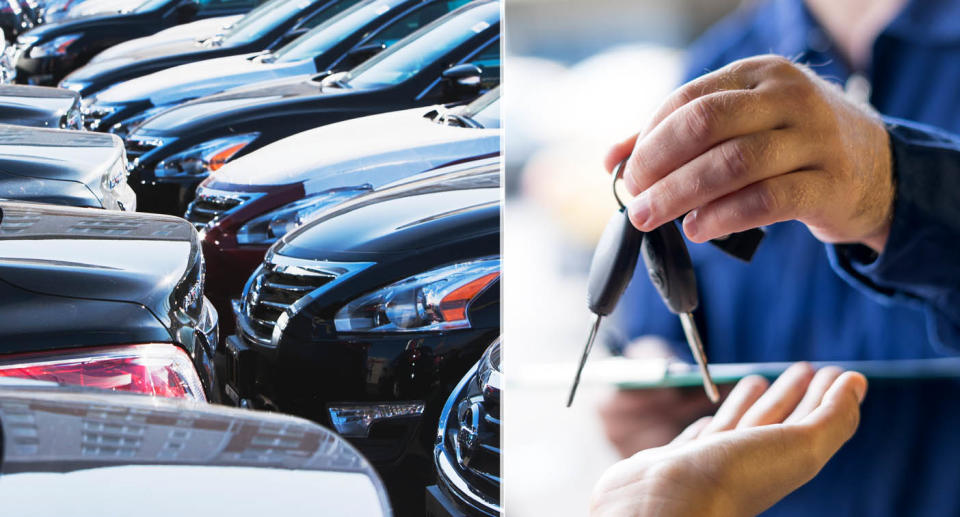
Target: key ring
x=616, y=176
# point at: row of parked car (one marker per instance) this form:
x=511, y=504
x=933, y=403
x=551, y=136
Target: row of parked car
x=317, y=233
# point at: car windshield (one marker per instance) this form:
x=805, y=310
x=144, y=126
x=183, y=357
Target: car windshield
x=263, y=19
x=324, y=36
x=485, y=110
x=150, y=5
x=420, y=49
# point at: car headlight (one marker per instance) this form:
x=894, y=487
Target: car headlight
x=269, y=227
x=431, y=301
x=355, y=419
x=125, y=126
x=202, y=159
x=56, y=47
x=72, y=119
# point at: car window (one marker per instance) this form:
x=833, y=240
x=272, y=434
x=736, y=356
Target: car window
x=485, y=110
x=263, y=19
x=422, y=48
x=216, y=5
x=419, y=17
x=150, y=5
x=326, y=35
x=326, y=14
x=488, y=61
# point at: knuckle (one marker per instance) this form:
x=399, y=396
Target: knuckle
x=766, y=199
x=701, y=118
x=736, y=159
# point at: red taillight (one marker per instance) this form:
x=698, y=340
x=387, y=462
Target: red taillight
x=160, y=369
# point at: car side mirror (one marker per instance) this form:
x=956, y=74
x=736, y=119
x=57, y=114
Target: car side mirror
x=463, y=80
x=185, y=11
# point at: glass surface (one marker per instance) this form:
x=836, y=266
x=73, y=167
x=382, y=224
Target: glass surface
x=263, y=19
x=324, y=36
x=150, y=5
x=422, y=48
x=485, y=110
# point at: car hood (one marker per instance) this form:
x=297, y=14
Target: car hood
x=189, y=113
x=25, y=103
x=374, y=150
x=201, y=78
x=98, y=449
x=74, y=25
x=105, y=66
x=57, y=154
x=417, y=219
x=96, y=254
x=200, y=29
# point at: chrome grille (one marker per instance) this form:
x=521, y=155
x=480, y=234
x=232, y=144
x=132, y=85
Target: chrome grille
x=208, y=206
x=93, y=115
x=468, y=449
x=137, y=147
x=274, y=288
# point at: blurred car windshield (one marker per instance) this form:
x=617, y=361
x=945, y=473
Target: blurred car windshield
x=324, y=36
x=419, y=50
x=485, y=110
x=150, y=5
x=263, y=19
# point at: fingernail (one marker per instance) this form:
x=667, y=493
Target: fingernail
x=860, y=388
x=690, y=224
x=640, y=211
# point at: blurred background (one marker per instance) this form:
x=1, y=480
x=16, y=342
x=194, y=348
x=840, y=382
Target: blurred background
x=582, y=74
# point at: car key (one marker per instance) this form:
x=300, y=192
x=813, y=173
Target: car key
x=670, y=270
x=611, y=269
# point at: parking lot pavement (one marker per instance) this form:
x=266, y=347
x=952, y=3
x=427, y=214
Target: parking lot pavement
x=546, y=320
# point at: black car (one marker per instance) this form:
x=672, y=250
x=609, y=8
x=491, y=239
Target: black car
x=467, y=452
x=40, y=106
x=268, y=27
x=366, y=318
x=45, y=54
x=343, y=41
x=85, y=452
x=454, y=58
x=104, y=299
x=73, y=168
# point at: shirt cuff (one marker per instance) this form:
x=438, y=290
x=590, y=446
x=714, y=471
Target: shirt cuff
x=920, y=264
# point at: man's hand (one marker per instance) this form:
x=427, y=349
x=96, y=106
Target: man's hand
x=762, y=444
x=759, y=141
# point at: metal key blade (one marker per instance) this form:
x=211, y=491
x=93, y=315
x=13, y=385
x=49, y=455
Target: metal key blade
x=696, y=348
x=583, y=359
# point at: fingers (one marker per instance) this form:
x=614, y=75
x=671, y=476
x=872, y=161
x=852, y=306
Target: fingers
x=745, y=74
x=692, y=431
x=744, y=394
x=834, y=421
x=696, y=127
x=724, y=169
x=789, y=196
x=783, y=396
x=821, y=382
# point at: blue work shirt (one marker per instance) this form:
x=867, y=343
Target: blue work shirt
x=800, y=299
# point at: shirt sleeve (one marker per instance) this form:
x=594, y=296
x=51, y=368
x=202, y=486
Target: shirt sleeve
x=920, y=263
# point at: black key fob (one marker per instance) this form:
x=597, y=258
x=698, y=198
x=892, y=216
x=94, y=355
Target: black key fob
x=741, y=245
x=668, y=264
x=614, y=261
